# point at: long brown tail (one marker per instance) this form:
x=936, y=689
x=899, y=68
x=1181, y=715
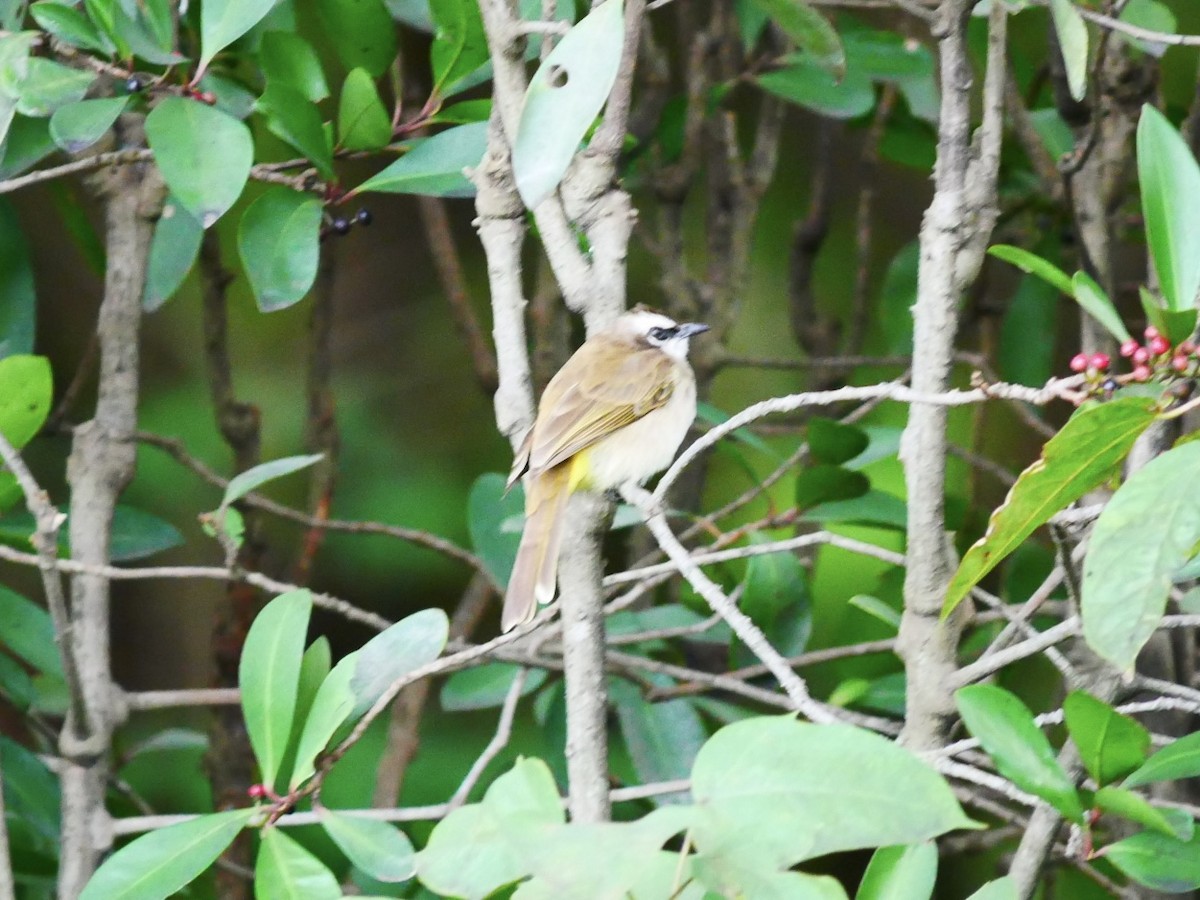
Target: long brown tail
x=535, y=571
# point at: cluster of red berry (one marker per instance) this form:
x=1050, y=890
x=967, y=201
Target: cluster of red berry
x=1155, y=356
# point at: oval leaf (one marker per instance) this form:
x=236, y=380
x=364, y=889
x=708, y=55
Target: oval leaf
x=414, y=641
x=279, y=243
x=26, y=388
x=1111, y=745
x=1033, y=264
x=361, y=32
x=459, y=45
x=1073, y=42
x=1179, y=759
x=241, y=485
x=204, y=155
x=363, y=123
x=160, y=863
x=1170, y=182
x=834, y=442
x=434, y=166
x=224, y=21
x=291, y=117
x=1092, y=298
x=286, y=871
x=1157, y=861
x=76, y=126
x=173, y=251
x=378, y=848
x=49, y=85
x=563, y=99
x=1146, y=533
x=807, y=84
x=330, y=709
x=486, y=686
x=894, y=872
x=269, y=674
x=290, y=60
x=1081, y=456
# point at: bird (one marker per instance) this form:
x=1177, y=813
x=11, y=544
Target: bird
x=614, y=414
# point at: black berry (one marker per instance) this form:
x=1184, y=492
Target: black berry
x=362, y=217
x=341, y=225
x=133, y=84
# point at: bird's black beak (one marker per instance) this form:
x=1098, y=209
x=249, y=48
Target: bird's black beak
x=687, y=329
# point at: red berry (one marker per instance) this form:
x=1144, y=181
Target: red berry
x=1180, y=363
x=1100, y=362
x=1141, y=373
x=1187, y=348
x=1159, y=345
x=1151, y=332
x=1129, y=348
x=1079, y=362
x=1141, y=356
x=257, y=791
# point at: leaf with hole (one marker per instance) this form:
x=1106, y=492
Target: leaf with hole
x=433, y=167
x=279, y=243
x=563, y=99
x=1085, y=453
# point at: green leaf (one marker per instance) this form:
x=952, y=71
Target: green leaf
x=290, y=60
x=1073, y=41
x=1000, y=889
x=1092, y=298
x=1170, y=179
x=488, y=506
x=241, y=485
x=377, y=848
x=26, y=390
x=49, y=85
x=832, y=442
x=434, y=166
x=28, y=632
x=224, y=21
x=1005, y=728
x=314, y=669
x=459, y=43
x=1176, y=325
x=363, y=123
x=76, y=126
x=877, y=609
x=31, y=792
x=662, y=738
x=414, y=641
x=14, y=66
x=232, y=97
x=1033, y=264
x=775, y=583
x=1137, y=808
x=486, y=686
x=877, y=508
x=279, y=243
x=810, y=31
x=1111, y=745
x=269, y=674
x=204, y=155
x=173, y=251
x=137, y=534
x=362, y=33
x=906, y=871
x=1029, y=334
x=70, y=26
x=1146, y=533
x=1179, y=759
x=772, y=791
x=330, y=709
x=28, y=143
x=563, y=99
x=1088, y=449
x=1157, y=861
x=292, y=118
x=138, y=34
x=18, y=300
x=286, y=871
x=162, y=862
x=824, y=483
x=807, y=84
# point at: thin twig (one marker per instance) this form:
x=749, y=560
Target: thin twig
x=498, y=742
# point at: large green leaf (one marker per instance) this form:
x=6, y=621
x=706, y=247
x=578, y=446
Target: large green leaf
x=204, y=155
x=279, y=243
x=28, y=632
x=1080, y=457
x=804, y=82
x=269, y=674
x=773, y=790
x=361, y=32
x=434, y=166
x=1179, y=759
x=459, y=43
x=1092, y=298
x=76, y=126
x=286, y=871
x=833, y=442
x=173, y=251
x=662, y=738
x=1073, y=42
x=18, y=301
x=414, y=641
x=330, y=709
x=1005, y=728
x=49, y=85
x=1157, y=861
x=1136, y=808
x=290, y=60
x=1034, y=265
x=70, y=26
x=1170, y=181
x=162, y=862
x=563, y=99
x=1111, y=745
x=896, y=872
x=293, y=118
x=377, y=848
x=363, y=123
x=486, y=686
x=1146, y=533
x=224, y=21
x=809, y=29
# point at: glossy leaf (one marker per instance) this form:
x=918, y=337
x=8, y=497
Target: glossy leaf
x=1136, y=808
x=563, y=99
x=1092, y=298
x=807, y=84
x=411, y=643
x=70, y=26
x=877, y=508
x=1170, y=180
x=486, y=686
x=833, y=442
x=28, y=632
x=361, y=32
x=363, y=123
x=1157, y=861
x=290, y=60
x=1034, y=265
x=252, y=479
x=76, y=126
x=377, y=848
x=26, y=388
x=286, y=871
x=269, y=674
x=18, y=301
x=1005, y=728
x=1073, y=42
x=824, y=483
x=162, y=862
x=204, y=155
x=1111, y=745
x=173, y=252
x=773, y=790
x=488, y=506
x=459, y=43
x=1146, y=533
x=1088, y=449
x=1179, y=759
x=905, y=871
x=49, y=85
x=291, y=117
x=224, y=21
x=434, y=166
x=279, y=243
x=330, y=709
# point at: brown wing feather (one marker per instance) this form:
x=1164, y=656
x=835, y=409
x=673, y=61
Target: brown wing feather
x=606, y=385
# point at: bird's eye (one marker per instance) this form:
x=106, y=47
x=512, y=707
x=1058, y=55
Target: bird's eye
x=663, y=334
